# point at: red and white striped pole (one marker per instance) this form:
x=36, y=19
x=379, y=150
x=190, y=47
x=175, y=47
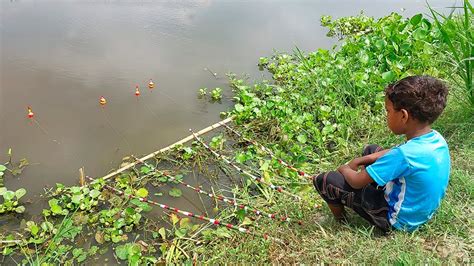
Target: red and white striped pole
x=258, y=179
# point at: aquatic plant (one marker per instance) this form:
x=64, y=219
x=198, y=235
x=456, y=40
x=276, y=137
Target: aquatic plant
x=10, y=200
x=216, y=94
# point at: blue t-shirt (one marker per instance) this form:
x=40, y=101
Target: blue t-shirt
x=415, y=175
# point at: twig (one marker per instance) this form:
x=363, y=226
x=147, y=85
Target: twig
x=82, y=180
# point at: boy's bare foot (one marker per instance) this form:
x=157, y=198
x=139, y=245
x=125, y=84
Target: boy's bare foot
x=339, y=212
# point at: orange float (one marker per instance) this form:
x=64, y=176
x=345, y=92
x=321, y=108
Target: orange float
x=137, y=91
x=102, y=101
x=151, y=85
x=30, y=112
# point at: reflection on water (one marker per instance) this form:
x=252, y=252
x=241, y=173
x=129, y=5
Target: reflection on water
x=61, y=56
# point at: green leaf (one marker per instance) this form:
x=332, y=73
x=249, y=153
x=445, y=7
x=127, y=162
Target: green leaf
x=34, y=229
x=76, y=199
x=75, y=190
x=162, y=232
x=181, y=232
x=174, y=218
x=420, y=34
x=94, y=193
x=238, y=107
x=143, y=205
x=77, y=252
x=8, y=195
x=56, y=209
x=3, y=190
x=364, y=57
x=184, y=223
x=20, y=209
x=222, y=232
x=388, y=76
x=246, y=221
x=145, y=170
x=175, y=192
x=121, y=252
x=302, y=138
x=416, y=19
x=142, y=192
x=2, y=168
x=240, y=157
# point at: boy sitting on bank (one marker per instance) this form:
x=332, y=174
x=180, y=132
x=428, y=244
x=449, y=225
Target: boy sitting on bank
x=403, y=186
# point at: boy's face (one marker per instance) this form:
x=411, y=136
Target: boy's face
x=396, y=120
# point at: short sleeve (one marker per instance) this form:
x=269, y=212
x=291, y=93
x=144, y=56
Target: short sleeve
x=390, y=166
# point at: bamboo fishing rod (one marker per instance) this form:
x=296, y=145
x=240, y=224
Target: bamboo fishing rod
x=182, y=141
x=274, y=216
x=189, y=214
x=257, y=179
x=301, y=173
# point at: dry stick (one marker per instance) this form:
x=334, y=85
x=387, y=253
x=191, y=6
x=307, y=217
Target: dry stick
x=151, y=155
x=258, y=179
x=82, y=181
x=189, y=214
x=301, y=173
x=224, y=198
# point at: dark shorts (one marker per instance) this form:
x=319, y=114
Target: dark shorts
x=369, y=202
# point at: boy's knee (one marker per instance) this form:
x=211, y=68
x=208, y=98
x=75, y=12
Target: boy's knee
x=330, y=186
x=318, y=181
x=323, y=180
x=371, y=148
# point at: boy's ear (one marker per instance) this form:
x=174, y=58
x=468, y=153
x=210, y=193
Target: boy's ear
x=405, y=115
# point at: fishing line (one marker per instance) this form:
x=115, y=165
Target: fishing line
x=107, y=119
x=49, y=136
x=214, y=74
x=45, y=131
x=151, y=85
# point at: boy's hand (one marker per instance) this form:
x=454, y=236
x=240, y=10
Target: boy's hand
x=365, y=160
x=354, y=164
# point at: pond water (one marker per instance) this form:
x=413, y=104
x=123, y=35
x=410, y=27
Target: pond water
x=59, y=57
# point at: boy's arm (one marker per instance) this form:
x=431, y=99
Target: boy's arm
x=365, y=160
x=355, y=179
x=360, y=179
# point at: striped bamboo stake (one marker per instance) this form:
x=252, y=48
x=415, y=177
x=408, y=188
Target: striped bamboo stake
x=301, y=173
x=223, y=198
x=258, y=179
x=189, y=214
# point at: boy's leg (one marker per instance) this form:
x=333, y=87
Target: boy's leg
x=335, y=191
x=368, y=202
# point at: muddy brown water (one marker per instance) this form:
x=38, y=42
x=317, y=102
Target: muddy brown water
x=59, y=57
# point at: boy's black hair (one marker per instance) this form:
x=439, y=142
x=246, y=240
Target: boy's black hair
x=424, y=97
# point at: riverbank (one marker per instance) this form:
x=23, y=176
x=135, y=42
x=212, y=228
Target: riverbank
x=320, y=110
